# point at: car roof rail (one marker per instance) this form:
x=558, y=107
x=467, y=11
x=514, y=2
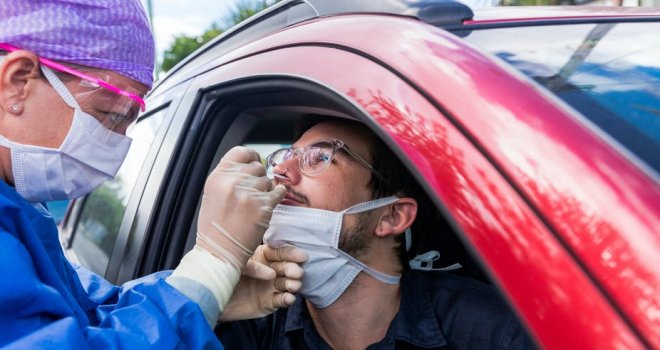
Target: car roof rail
x=442, y=13
x=436, y=12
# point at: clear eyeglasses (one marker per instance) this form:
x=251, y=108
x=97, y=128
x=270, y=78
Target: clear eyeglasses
x=315, y=158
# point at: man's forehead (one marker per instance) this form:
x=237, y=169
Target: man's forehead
x=324, y=130
x=353, y=135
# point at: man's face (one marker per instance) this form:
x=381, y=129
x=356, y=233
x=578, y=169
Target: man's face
x=344, y=183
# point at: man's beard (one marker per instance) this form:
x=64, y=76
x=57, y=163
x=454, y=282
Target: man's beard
x=355, y=240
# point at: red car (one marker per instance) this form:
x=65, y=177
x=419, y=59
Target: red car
x=536, y=131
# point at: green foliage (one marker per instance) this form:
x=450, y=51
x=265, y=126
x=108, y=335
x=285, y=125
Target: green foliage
x=245, y=10
x=185, y=45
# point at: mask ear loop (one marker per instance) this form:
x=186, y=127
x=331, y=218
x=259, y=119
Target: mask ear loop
x=424, y=262
x=373, y=204
x=408, y=236
x=59, y=87
x=68, y=98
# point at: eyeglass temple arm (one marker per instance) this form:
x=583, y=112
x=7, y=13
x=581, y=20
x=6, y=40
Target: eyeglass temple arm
x=362, y=161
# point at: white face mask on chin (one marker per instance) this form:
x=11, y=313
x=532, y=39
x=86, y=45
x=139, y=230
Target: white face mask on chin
x=90, y=155
x=328, y=270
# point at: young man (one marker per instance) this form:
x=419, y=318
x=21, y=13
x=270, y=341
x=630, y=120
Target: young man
x=349, y=203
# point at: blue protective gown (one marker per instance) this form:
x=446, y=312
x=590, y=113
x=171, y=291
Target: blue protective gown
x=47, y=303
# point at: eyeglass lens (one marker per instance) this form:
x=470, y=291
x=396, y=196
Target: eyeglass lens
x=313, y=158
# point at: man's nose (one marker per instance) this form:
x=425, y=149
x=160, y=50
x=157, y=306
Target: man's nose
x=287, y=172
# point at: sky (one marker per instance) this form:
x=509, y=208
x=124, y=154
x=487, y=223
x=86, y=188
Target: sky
x=175, y=17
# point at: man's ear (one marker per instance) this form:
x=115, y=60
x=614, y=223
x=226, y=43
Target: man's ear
x=16, y=71
x=397, y=218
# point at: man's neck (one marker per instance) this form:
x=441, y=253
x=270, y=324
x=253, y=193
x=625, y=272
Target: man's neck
x=361, y=316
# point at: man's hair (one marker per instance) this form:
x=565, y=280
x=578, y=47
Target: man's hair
x=396, y=181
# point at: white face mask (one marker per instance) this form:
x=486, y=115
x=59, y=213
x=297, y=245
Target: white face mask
x=90, y=155
x=328, y=271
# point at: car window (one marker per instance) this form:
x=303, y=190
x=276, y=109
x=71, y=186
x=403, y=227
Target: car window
x=609, y=72
x=103, y=210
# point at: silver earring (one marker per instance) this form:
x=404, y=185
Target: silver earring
x=15, y=108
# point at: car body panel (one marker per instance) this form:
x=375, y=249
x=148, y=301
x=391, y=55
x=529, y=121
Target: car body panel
x=514, y=244
x=553, y=150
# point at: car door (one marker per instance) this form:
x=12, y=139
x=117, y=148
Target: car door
x=509, y=240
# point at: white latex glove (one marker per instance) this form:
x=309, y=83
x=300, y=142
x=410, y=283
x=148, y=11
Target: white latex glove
x=237, y=204
x=269, y=280
x=236, y=207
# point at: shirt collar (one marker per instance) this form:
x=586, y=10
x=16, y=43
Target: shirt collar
x=295, y=315
x=416, y=322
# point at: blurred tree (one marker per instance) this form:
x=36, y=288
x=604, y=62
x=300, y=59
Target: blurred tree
x=102, y=229
x=244, y=10
x=185, y=45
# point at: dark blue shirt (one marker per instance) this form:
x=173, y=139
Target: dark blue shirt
x=437, y=311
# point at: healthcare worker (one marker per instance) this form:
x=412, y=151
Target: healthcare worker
x=72, y=77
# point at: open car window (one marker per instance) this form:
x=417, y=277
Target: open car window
x=263, y=113
x=266, y=128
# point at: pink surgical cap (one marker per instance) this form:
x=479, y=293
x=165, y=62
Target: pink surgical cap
x=107, y=34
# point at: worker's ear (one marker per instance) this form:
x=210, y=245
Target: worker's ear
x=17, y=70
x=397, y=217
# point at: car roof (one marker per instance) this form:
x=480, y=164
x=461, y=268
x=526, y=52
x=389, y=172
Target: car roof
x=448, y=14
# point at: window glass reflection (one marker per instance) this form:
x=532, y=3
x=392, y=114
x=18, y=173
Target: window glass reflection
x=610, y=72
x=103, y=210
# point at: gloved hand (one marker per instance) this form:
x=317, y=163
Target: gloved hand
x=237, y=204
x=268, y=282
x=236, y=207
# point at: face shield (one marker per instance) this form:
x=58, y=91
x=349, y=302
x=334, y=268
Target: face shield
x=116, y=111
x=96, y=93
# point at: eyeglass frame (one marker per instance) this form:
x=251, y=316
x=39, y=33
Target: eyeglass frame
x=100, y=82
x=336, y=145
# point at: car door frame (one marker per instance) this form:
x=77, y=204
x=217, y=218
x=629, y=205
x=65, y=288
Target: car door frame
x=262, y=65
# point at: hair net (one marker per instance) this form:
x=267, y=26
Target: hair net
x=107, y=34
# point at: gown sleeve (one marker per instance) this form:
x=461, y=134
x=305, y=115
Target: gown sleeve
x=47, y=303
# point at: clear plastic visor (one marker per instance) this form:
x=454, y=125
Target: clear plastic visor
x=115, y=112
